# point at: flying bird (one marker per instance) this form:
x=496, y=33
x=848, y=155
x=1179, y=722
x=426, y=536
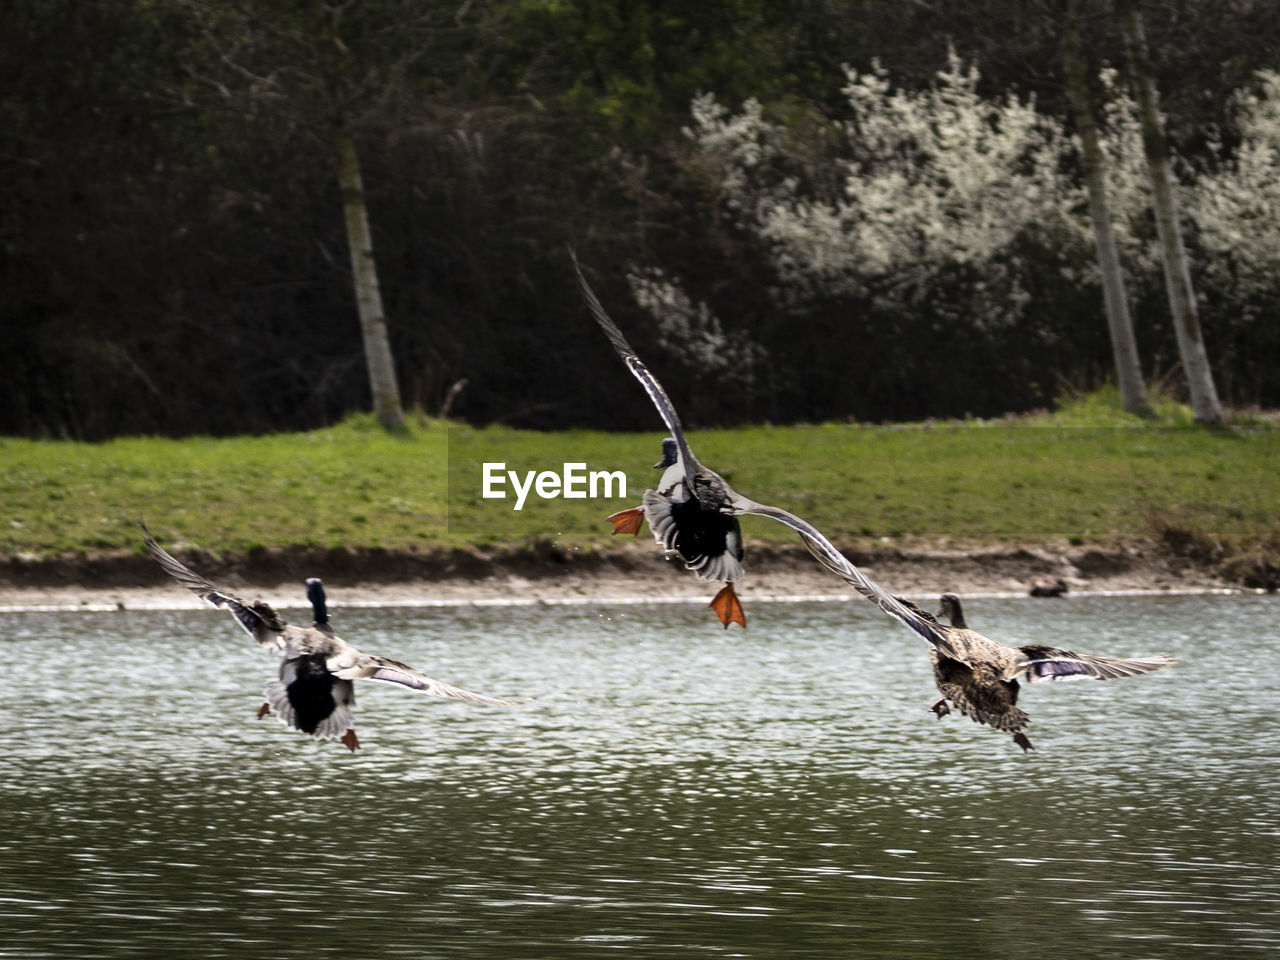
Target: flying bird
x=985, y=687
x=314, y=692
x=694, y=512
x=978, y=675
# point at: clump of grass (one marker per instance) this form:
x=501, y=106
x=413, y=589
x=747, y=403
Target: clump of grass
x=1103, y=408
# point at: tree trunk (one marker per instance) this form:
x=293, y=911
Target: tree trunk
x=1177, y=273
x=364, y=274
x=1124, y=346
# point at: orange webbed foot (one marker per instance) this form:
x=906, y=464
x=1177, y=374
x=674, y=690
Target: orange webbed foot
x=628, y=521
x=351, y=741
x=728, y=608
x=264, y=710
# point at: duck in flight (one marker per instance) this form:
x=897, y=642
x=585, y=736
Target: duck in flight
x=693, y=512
x=314, y=691
x=978, y=675
x=709, y=542
x=984, y=686
x=319, y=621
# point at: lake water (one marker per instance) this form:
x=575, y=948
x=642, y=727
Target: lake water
x=675, y=791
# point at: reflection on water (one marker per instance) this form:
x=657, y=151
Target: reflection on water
x=675, y=790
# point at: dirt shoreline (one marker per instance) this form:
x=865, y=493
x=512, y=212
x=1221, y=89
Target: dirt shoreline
x=624, y=573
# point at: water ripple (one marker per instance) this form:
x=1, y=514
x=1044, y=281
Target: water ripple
x=673, y=791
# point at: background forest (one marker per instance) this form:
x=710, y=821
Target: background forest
x=811, y=211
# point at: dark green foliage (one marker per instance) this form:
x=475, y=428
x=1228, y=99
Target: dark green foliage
x=172, y=250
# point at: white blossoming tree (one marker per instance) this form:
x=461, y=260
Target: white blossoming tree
x=925, y=225
x=1124, y=345
x=935, y=178
x=1228, y=205
x=1236, y=206
x=947, y=221
x=690, y=331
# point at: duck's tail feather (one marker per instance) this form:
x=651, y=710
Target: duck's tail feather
x=724, y=566
x=331, y=727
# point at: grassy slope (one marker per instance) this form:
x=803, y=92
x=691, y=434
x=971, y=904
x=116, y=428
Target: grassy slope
x=353, y=483
x=1086, y=474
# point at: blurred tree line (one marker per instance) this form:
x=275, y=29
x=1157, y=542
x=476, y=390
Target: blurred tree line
x=175, y=254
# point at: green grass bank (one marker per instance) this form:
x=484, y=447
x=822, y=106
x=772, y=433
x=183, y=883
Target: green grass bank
x=1086, y=474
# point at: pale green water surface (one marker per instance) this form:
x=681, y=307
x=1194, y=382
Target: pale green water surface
x=675, y=791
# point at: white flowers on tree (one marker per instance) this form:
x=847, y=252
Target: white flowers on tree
x=1235, y=206
x=934, y=178
x=691, y=330
x=941, y=183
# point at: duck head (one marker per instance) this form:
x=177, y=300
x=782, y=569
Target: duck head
x=670, y=454
x=949, y=607
x=315, y=593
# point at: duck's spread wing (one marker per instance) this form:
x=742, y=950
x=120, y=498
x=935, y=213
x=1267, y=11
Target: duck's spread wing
x=915, y=620
x=252, y=617
x=366, y=666
x=1040, y=662
x=666, y=409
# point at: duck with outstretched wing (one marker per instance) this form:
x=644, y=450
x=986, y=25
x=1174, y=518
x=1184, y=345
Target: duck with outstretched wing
x=314, y=691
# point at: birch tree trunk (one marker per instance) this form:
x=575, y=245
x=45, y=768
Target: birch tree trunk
x=1124, y=346
x=364, y=273
x=1177, y=273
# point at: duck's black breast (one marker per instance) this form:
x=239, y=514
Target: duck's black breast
x=311, y=692
x=702, y=532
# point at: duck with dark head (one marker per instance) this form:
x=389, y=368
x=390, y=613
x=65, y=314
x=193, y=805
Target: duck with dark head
x=314, y=691
x=694, y=512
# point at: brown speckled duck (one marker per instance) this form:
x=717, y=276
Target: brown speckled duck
x=983, y=684
x=314, y=692
x=980, y=676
